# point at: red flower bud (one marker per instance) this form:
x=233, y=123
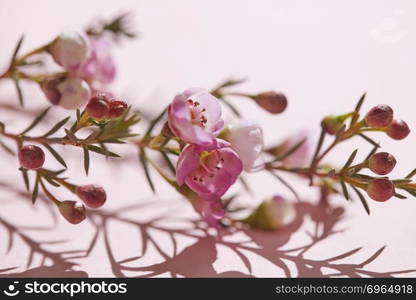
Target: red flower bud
x=98, y=107
x=382, y=163
x=116, y=109
x=379, y=116
x=274, y=103
x=380, y=189
x=398, y=130
x=73, y=211
x=31, y=157
x=93, y=195
x=50, y=89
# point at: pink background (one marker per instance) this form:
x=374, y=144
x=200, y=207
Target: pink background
x=322, y=54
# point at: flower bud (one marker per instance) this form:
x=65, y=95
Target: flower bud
x=31, y=157
x=379, y=116
x=69, y=93
x=272, y=214
x=273, y=102
x=398, y=130
x=93, y=195
x=73, y=211
x=382, y=163
x=380, y=189
x=70, y=49
x=98, y=107
x=116, y=109
x=331, y=124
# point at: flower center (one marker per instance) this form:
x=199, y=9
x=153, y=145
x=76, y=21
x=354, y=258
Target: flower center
x=197, y=113
x=210, y=164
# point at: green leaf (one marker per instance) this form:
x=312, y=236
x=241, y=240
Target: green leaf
x=36, y=120
x=318, y=146
x=56, y=127
x=362, y=199
x=350, y=159
x=35, y=190
x=25, y=178
x=291, y=150
x=154, y=122
x=245, y=185
x=71, y=136
x=102, y=150
x=374, y=150
x=372, y=142
x=230, y=82
x=7, y=148
x=86, y=159
x=400, y=196
x=55, y=154
x=360, y=102
x=345, y=190
x=231, y=107
x=78, y=115
x=402, y=181
x=411, y=174
x=19, y=90
x=144, y=162
x=16, y=50
x=93, y=136
x=168, y=162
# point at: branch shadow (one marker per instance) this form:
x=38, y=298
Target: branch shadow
x=199, y=258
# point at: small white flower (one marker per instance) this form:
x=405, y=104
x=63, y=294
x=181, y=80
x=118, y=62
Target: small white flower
x=70, y=49
x=75, y=93
x=246, y=139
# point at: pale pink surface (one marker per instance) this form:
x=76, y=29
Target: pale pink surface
x=322, y=54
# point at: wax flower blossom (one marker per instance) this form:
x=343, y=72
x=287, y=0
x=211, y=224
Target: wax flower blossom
x=99, y=67
x=69, y=93
x=195, y=117
x=70, y=49
x=209, y=171
x=246, y=138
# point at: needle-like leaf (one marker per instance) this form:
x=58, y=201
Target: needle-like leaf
x=143, y=160
x=362, y=199
x=56, y=127
x=86, y=159
x=36, y=120
x=55, y=154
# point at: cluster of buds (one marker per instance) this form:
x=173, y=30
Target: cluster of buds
x=32, y=157
x=101, y=108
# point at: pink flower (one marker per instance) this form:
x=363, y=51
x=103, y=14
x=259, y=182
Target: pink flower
x=99, y=66
x=208, y=171
x=212, y=211
x=195, y=117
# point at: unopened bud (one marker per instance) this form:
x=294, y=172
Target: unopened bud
x=272, y=214
x=73, y=211
x=98, y=107
x=273, y=102
x=31, y=157
x=379, y=116
x=382, y=163
x=70, y=49
x=92, y=195
x=332, y=124
x=380, y=189
x=398, y=130
x=116, y=109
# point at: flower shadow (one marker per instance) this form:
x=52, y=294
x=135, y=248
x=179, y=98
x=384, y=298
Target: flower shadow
x=201, y=256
